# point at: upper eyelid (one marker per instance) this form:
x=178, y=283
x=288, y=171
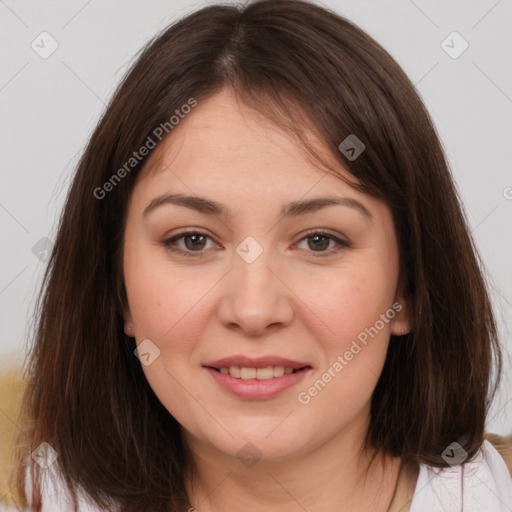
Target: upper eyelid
x=311, y=231
x=336, y=238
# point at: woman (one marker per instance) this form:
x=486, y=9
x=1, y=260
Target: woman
x=263, y=294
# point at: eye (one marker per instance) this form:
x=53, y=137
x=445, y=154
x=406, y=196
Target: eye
x=319, y=241
x=195, y=242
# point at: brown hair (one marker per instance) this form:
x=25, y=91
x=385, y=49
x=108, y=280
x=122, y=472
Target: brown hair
x=88, y=396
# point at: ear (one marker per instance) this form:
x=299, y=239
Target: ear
x=128, y=325
x=401, y=323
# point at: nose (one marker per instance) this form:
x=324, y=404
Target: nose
x=255, y=298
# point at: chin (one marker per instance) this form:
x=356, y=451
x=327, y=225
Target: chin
x=260, y=443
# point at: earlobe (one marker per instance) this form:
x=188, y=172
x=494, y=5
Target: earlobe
x=128, y=326
x=401, y=323
x=400, y=327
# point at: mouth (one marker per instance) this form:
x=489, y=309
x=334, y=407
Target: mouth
x=265, y=373
x=261, y=378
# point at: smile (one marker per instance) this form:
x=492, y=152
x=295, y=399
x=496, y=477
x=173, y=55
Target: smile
x=262, y=378
x=247, y=373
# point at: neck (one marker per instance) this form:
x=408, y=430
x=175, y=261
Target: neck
x=331, y=476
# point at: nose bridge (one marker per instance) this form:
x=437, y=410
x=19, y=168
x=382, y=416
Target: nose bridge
x=255, y=297
x=252, y=268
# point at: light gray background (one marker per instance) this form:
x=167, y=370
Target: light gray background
x=50, y=106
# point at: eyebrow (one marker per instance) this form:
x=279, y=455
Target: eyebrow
x=292, y=209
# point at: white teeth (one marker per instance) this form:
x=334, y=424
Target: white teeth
x=265, y=373
x=234, y=371
x=246, y=373
x=278, y=371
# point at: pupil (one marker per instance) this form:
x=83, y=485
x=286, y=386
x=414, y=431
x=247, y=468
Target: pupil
x=196, y=240
x=317, y=238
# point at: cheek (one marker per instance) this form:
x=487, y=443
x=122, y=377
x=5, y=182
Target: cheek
x=357, y=309
x=165, y=304
x=351, y=302
x=354, y=348
x=166, y=308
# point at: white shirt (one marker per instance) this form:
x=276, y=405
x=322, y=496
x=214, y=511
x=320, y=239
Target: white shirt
x=481, y=485
x=55, y=494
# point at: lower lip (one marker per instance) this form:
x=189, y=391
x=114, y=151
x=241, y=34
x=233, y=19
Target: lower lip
x=252, y=389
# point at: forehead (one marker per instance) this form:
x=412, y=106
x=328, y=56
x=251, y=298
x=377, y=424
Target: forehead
x=234, y=155
x=223, y=137
x=255, y=170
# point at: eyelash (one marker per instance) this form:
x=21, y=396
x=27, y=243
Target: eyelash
x=197, y=254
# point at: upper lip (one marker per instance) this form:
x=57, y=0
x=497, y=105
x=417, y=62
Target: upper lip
x=255, y=362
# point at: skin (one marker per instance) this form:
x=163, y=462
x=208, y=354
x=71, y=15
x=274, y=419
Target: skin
x=295, y=300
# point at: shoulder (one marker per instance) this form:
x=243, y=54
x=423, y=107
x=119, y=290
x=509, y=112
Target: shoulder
x=504, y=446
x=483, y=483
x=55, y=493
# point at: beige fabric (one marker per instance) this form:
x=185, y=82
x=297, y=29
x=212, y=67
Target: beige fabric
x=11, y=389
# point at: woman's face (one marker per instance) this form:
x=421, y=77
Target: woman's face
x=268, y=278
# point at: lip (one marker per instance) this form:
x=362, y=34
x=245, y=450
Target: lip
x=258, y=362
x=254, y=389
